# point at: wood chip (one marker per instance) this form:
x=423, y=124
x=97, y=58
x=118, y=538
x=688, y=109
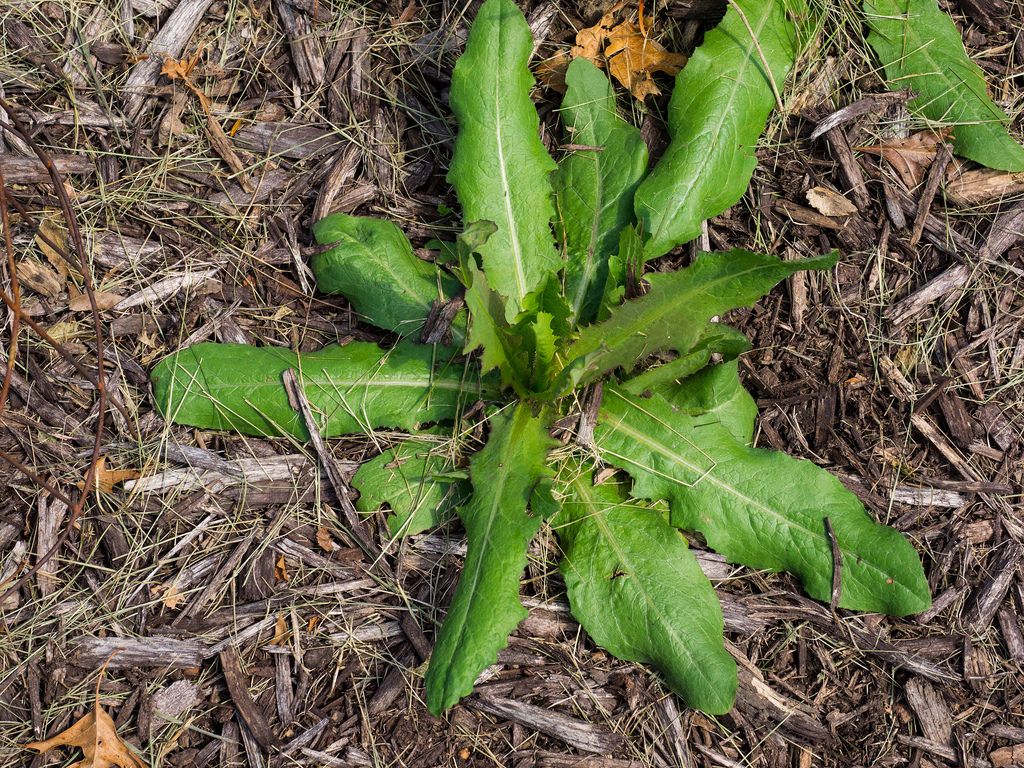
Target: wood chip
x=170, y=41
x=291, y=140
x=169, y=286
x=1006, y=231
x=931, y=711
x=988, y=598
x=128, y=652
x=828, y=202
x=586, y=737
x=238, y=685
x=876, y=102
x=953, y=279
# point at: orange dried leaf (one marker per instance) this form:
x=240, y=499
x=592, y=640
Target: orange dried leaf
x=180, y=69
x=280, y=569
x=281, y=633
x=631, y=55
x=323, y=538
x=910, y=157
x=633, y=58
x=106, y=479
x=96, y=735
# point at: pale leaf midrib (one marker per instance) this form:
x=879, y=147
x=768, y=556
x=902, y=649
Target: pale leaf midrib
x=618, y=424
x=725, y=113
x=679, y=641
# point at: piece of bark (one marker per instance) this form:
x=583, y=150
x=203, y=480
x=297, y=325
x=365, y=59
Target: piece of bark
x=941, y=750
x=1007, y=757
x=170, y=41
x=875, y=102
x=931, y=186
x=942, y=444
x=291, y=140
x=303, y=44
x=29, y=170
x=953, y=279
x=990, y=15
x=127, y=652
x=50, y=517
x=391, y=687
x=343, y=168
x=930, y=710
x=849, y=168
x=803, y=215
x=557, y=760
x=756, y=699
x=586, y=737
x=198, y=280
x=1009, y=626
x=238, y=686
x=959, y=421
x=987, y=599
x=1005, y=232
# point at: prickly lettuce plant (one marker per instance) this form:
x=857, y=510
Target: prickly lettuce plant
x=544, y=263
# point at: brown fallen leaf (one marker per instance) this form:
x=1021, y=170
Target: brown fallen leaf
x=910, y=157
x=53, y=231
x=280, y=569
x=104, y=300
x=181, y=69
x=981, y=185
x=96, y=735
x=828, y=202
x=323, y=538
x=626, y=49
x=281, y=632
x=39, y=277
x=633, y=58
x=173, y=598
x=106, y=479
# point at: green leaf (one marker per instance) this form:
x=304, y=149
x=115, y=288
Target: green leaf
x=499, y=527
x=416, y=480
x=500, y=168
x=716, y=394
x=354, y=388
x=717, y=337
x=675, y=311
x=594, y=187
x=763, y=509
x=920, y=48
x=718, y=110
x=489, y=331
x=638, y=590
x=374, y=267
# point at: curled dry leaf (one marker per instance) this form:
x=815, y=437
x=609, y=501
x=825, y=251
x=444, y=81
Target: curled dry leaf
x=627, y=50
x=828, y=202
x=910, y=157
x=106, y=478
x=53, y=231
x=96, y=735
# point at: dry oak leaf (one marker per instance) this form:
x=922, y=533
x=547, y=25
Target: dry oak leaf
x=626, y=49
x=96, y=735
x=910, y=157
x=633, y=58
